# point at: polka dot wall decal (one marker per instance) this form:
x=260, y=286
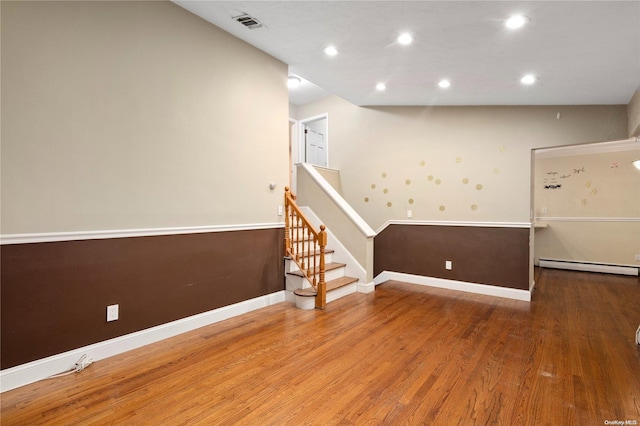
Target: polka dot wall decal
x=502, y=149
x=441, y=208
x=408, y=181
x=410, y=200
x=594, y=191
x=479, y=187
x=465, y=180
x=373, y=186
x=438, y=181
x=474, y=207
x=584, y=201
x=386, y=191
x=389, y=204
x=458, y=159
x=384, y=175
x=429, y=177
x=587, y=183
x=366, y=199
x=496, y=171
x=422, y=163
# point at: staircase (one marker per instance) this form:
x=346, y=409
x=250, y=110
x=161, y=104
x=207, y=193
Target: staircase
x=313, y=278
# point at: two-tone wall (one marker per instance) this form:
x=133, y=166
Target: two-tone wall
x=452, y=170
x=54, y=294
x=478, y=253
x=138, y=144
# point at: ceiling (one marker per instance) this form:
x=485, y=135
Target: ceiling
x=582, y=52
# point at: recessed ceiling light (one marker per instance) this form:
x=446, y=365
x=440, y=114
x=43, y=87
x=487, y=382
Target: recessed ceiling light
x=405, y=38
x=293, y=82
x=331, y=50
x=515, y=21
x=528, y=79
x=444, y=83
x=381, y=86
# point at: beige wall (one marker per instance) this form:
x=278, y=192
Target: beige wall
x=332, y=176
x=124, y=115
x=604, y=242
x=451, y=163
x=594, y=185
x=594, y=215
x=293, y=111
x=633, y=112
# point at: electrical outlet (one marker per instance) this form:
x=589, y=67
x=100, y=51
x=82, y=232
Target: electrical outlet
x=637, y=257
x=409, y=213
x=544, y=210
x=112, y=312
x=448, y=265
x=279, y=210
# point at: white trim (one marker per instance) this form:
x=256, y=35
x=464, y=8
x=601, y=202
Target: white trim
x=302, y=142
x=321, y=167
x=364, y=287
x=456, y=223
x=577, y=265
x=126, y=233
x=315, y=117
x=337, y=199
x=588, y=148
x=24, y=374
x=489, y=290
x=586, y=219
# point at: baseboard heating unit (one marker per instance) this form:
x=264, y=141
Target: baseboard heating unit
x=576, y=265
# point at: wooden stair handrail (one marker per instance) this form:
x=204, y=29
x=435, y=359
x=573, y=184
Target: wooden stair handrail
x=299, y=226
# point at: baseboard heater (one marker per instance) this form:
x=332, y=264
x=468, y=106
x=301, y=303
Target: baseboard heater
x=576, y=265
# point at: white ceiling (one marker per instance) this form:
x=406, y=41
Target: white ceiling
x=583, y=52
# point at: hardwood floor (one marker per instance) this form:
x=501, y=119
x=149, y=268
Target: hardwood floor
x=405, y=355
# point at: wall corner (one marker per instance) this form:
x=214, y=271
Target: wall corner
x=633, y=114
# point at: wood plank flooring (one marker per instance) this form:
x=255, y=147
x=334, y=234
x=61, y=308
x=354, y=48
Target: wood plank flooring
x=404, y=355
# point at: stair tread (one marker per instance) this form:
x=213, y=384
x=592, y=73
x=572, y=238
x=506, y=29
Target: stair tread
x=331, y=285
x=340, y=282
x=327, y=267
x=305, y=292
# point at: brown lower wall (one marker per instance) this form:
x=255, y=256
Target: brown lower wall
x=483, y=255
x=54, y=295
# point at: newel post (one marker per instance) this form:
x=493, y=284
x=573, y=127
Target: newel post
x=287, y=222
x=321, y=295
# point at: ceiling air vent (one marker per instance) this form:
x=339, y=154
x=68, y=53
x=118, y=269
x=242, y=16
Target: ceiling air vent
x=248, y=21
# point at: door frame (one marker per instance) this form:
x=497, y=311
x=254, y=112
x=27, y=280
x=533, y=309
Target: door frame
x=301, y=139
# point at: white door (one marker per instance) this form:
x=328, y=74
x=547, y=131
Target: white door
x=315, y=147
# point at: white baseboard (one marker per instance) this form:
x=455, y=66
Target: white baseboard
x=24, y=374
x=489, y=290
x=590, y=267
x=289, y=296
x=369, y=287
